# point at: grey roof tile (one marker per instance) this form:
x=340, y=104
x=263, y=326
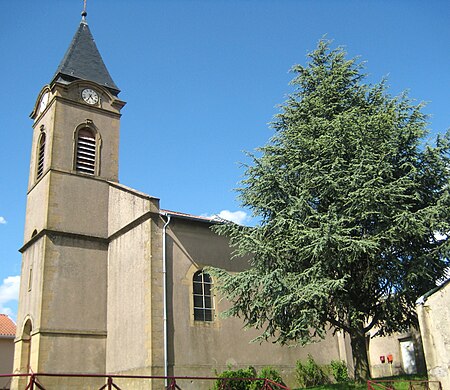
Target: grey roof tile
x=83, y=61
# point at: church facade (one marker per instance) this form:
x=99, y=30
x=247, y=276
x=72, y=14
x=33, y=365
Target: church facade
x=111, y=283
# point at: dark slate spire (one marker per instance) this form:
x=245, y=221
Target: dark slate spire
x=83, y=60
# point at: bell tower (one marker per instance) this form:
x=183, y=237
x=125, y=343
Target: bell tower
x=74, y=158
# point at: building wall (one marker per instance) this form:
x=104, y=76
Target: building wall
x=391, y=345
x=31, y=284
x=74, y=292
x=29, y=310
x=135, y=302
x=434, y=320
x=63, y=285
x=78, y=204
x=37, y=201
x=65, y=308
x=6, y=359
x=128, y=341
x=199, y=348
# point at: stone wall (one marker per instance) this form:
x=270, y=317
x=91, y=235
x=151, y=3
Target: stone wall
x=433, y=310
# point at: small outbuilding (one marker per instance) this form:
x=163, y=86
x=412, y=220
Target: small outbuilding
x=7, y=334
x=433, y=310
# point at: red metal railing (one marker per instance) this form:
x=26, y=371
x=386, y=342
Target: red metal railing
x=395, y=384
x=224, y=383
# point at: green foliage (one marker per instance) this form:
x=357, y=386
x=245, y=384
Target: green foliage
x=339, y=371
x=353, y=207
x=267, y=373
x=310, y=373
x=236, y=384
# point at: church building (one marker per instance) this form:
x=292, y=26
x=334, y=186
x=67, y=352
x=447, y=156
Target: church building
x=111, y=283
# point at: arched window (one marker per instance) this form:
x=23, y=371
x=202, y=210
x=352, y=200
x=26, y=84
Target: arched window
x=26, y=347
x=86, y=150
x=203, y=298
x=41, y=156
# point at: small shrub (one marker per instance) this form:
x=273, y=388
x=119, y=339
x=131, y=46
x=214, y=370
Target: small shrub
x=339, y=371
x=269, y=373
x=235, y=384
x=310, y=373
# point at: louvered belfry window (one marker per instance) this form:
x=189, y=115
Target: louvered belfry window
x=203, y=298
x=41, y=156
x=86, y=151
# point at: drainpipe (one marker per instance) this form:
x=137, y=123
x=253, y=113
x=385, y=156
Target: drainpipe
x=164, y=255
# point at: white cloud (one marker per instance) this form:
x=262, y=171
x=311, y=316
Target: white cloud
x=8, y=311
x=2, y=220
x=9, y=291
x=239, y=217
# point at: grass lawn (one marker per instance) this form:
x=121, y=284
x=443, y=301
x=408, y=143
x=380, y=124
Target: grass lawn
x=341, y=386
x=404, y=385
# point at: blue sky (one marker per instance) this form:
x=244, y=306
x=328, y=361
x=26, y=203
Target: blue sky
x=202, y=80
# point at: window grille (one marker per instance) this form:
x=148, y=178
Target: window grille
x=203, y=298
x=86, y=152
x=41, y=156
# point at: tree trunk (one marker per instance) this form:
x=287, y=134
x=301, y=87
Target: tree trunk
x=360, y=360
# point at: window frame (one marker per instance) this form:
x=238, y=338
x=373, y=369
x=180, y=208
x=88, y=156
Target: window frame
x=203, y=307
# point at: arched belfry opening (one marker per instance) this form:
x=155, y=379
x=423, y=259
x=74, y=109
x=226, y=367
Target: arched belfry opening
x=41, y=156
x=86, y=151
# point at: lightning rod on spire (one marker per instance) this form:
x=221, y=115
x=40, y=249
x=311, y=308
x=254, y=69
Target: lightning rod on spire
x=84, y=13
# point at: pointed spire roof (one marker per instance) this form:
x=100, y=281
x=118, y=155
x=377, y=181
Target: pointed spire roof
x=83, y=61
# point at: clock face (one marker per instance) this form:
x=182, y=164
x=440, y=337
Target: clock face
x=89, y=96
x=43, y=103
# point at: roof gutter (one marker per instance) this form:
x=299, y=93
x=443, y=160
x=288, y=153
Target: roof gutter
x=193, y=217
x=7, y=336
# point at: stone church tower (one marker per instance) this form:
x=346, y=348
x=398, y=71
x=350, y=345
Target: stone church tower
x=92, y=253
x=74, y=158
